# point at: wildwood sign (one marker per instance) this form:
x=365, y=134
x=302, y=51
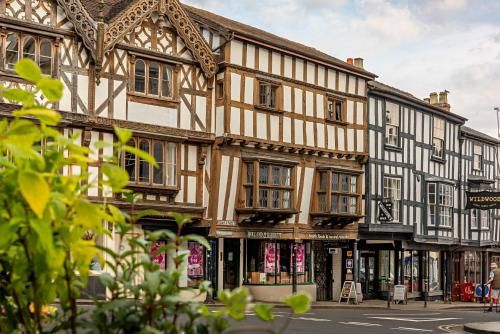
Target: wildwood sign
x=483, y=200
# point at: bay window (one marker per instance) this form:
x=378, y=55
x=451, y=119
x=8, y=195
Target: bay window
x=267, y=186
x=141, y=172
x=37, y=48
x=337, y=192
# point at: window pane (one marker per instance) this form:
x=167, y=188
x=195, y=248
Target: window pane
x=343, y=203
x=322, y=202
x=353, y=184
x=335, y=203
x=46, y=56
x=322, y=181
x=158, y=173
x=275, y=199
x=264, y=174
x=143, y=164
x=330, y=114
x=263, y=92
x=335, y=182
x=345, y=183
x=172, y=164
x=263, y=196
x=249, y=197
x=130, y=162
x=250, y=172
x=140, y=76
x=338, y=111
x=154, y=74
x=272, y=96
x=165, y=82
x=276, y=175
x=287, y=173
x=353, y=205
x=12, y=51
x=287, y=203
x=29, y=48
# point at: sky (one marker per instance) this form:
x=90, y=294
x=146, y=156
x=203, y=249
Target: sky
x=420, y=46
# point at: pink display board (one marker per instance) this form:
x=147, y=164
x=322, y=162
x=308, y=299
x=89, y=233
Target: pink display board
x=300, y=256
x=195, y=259
x=272, y=258
x=159, y=258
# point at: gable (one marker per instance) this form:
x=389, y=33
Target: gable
x=124, y=16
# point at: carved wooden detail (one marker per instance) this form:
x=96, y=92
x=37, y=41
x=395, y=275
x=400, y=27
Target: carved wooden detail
x=83, y=23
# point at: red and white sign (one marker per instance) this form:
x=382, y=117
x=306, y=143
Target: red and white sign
x=159, y=258
x=195, y=259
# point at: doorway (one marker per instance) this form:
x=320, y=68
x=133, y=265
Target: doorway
x=323, y=272
x=231, y=264
x=367, y=273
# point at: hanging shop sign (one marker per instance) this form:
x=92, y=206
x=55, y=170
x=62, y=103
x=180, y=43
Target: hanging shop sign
x=195, y=259
x=482, y=200
x=385, y=211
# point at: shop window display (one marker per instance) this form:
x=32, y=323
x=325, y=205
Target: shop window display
x=434, y=271
x=270, y=262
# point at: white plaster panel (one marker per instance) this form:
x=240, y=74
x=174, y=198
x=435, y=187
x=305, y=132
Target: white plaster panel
x=201, y=110
x=299, y=69
x=342, y=81
x=306, y=196
x=320, y=106
x=310, y=73
x=249, y=82
x=352, y=84
x=360, y=140
x=350, y=111
x=224, y=166
x=83, y=91
x=93, y=189
x=299, y=132
x=287, y=130
x=250, y=56
x=149, y=114
x=298, y=101
x=120, y=103
x=235, y=120
x=219, y=121
x=372, y=144
x=427, y=125
x=359, y=112
x=185, y=121
x=287, y=98
x=261, y=125
x=94, y=137
x=350, y=139
x=233, y=190
x=361, y=87
x=341, y=138
x=332, y=79
x=101, y=95
x=65, y=102
x=276, y=65
x=418, y=123
x=191, y=189
x=263, y=60
x=321, y=76
x=248, y=123
x=309, y=133
x=236, y=52
x=309, y=103
x=275, y=127
x=288, y=66
x=192, y=158
x=331, y=137
x=235, y=87
x=320, y=130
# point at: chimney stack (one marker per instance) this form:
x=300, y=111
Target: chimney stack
x=442, y=102
x=358, y=62
x=350, y=61
x=428, y=100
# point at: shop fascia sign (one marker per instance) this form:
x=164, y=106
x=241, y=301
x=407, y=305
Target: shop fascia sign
x=328, y=236
x=263, y=235
x=483, y=200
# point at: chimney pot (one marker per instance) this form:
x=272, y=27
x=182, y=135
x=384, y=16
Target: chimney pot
x=350, y=61
x=358, y=62
x=433, y=97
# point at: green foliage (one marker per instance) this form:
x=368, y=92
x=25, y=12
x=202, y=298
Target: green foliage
x=48, y=230
x=299, y=303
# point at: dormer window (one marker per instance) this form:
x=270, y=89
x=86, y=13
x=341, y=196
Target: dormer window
x=152, y=78
x=37, y=48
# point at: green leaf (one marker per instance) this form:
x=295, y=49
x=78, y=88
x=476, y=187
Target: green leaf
x=19, y=95
x=236, y=302
x=28, y=70
x=44, y=233
x=263, y=311
x=123, y=135
x=45, y=115
x=117, y=177
x=199, y=239
x=52, y=89
x=141, y=154
x=35, y=191
x=299, y=303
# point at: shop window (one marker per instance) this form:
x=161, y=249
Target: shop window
x=152, y=78
x=37, y=48
x=392, y=124
x=140, y=171
x=273, y=189
x=386, y=269
x=434, y=271
x=438, y=139
x=411, y=271
x=392, y=191
x=440, y=204
x=472, y=267
x=268, y=95
x=335, y=110
x=338, y=193
x=270, y=262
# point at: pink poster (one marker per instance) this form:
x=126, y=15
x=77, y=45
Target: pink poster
x=300, y=252
x=195, y=259
x=159, y=258
x=272, y=258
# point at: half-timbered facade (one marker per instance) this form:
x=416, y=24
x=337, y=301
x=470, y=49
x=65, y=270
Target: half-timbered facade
x=289, y=125
x=415, y=165
x=141, y=65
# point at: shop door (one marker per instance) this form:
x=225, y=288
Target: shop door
x=322, y=272
x=367, y=273
x=231, y=266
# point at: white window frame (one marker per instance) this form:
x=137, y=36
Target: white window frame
x=392, y=124
x=477, y=162
x=438, y=142
x=392, y=190
x=440, y=199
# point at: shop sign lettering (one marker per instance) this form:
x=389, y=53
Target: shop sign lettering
x=328, y=236
x=263, y=235
x=222, y=233
x=483, y=200
x=227, y=223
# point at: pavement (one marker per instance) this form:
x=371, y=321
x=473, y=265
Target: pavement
x=483, y=328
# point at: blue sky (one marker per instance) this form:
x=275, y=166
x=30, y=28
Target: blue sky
x=419, y=46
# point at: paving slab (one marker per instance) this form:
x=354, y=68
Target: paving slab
x=483, y=328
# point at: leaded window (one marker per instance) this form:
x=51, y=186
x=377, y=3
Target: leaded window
x=38, y=49
x=337, y=192
x=152, y=78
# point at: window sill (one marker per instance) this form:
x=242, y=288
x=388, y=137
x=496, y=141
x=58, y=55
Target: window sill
x=152, y=100
x=438, y=159
x=266, y=210
x=12, y=75
x=393, y=148
x=440, y=227
x=330, y=121
x=266, y=108
x=162, y=190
